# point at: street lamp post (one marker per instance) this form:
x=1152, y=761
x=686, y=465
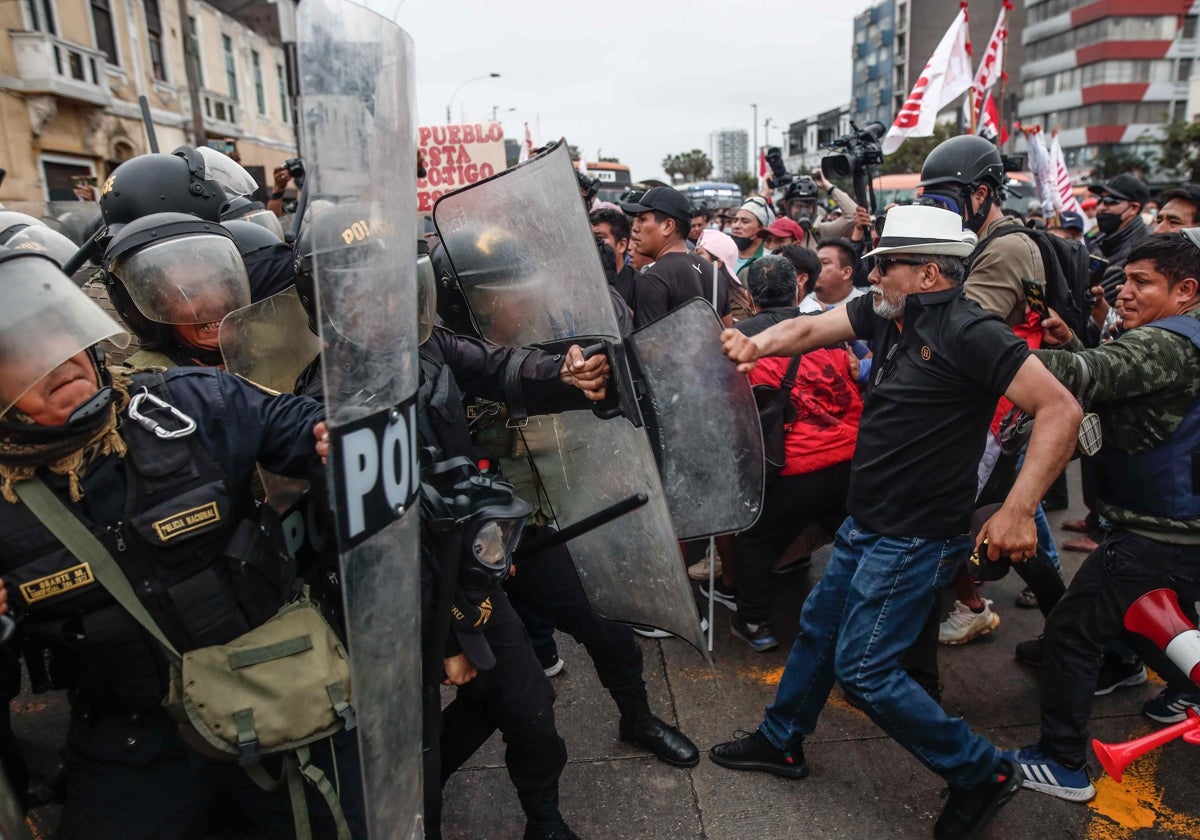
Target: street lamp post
x=754, y=151
x=496, y=108
x=463, y=85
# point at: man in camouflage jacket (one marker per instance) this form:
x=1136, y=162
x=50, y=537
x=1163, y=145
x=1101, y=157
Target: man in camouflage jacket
x=1145, y=387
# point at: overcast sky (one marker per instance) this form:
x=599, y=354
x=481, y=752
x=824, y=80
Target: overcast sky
x=632, y=79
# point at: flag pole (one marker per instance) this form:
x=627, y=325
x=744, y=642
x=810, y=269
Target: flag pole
x=970, y=54
x=1004, y=79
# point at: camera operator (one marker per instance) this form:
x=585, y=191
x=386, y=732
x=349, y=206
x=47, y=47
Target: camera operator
x=800, y=196
x=290, y=170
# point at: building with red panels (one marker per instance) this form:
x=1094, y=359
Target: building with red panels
x=1108, y=73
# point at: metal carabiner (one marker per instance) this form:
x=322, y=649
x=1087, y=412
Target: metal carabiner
x=160, y=431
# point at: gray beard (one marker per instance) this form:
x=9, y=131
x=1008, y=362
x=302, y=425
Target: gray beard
x=885, y=308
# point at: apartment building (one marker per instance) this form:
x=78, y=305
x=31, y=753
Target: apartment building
x=71, y=72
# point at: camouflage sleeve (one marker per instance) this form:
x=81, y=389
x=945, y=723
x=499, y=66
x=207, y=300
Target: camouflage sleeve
x=1141, y=362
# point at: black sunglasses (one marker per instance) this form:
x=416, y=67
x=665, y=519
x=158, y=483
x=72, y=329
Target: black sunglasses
x=884, y=264
x=1110, y=200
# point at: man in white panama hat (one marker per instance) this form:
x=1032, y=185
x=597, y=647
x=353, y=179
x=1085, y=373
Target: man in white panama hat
x=941, y=362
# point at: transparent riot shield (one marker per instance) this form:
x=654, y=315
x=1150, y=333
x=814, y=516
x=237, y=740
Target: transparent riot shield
x=358, y=138
x=703, y=424
x=269, y=342
x=522, y=247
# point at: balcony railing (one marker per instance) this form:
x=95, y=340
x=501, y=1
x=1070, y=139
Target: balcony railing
x=221, y=113
x=48, y=64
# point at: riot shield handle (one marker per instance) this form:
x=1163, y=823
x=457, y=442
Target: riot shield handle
x=622, y=397
x=550, y=539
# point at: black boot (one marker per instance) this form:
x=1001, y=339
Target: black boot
x=543, y=820
x=666, y=742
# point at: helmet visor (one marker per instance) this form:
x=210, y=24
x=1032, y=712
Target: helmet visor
x=426, y=298
x=43, y=240
x=265, y=219
x=269, y=342
x=44, y=320
x=227, y=172
x=187, y=280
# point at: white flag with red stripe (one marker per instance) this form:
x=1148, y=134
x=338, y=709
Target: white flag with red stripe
x=762, y=171
x=1062, y=176
x=946, y=76
x=990, y=68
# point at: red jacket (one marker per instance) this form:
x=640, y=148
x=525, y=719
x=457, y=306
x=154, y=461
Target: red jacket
x=828, y=408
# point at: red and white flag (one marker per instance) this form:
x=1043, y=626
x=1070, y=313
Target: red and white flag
x=990, y=69
x=762, y=170
x=1062, y=176
x=946, y=77
x=526, y=146
x=989, y=122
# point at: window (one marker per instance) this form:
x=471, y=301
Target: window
x=284, y=105
x=259, y=94
x=57, y=172
x=41, y=16
x=1189, y=27
x=230, y=66
x=194, y=46
x=1179, y=111
x=102, y=25
x=1185, y=70
x=154, y=39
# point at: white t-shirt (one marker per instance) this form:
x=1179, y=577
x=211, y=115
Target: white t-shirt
x=811, y=304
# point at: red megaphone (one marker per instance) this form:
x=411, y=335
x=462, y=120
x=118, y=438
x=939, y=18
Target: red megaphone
x=1116, y=757
x=1156, y=615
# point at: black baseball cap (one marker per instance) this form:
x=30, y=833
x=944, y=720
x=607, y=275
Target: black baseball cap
x=1127, y=187
x=665, y=200
x=1185, y=192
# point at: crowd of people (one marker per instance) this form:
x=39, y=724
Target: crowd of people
x=933, y=396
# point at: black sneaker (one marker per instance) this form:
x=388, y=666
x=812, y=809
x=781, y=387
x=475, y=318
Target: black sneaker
x=552, y=829
x=968, y=812
x=752, y=751
x=724, y=595
x=758, y=636
x=1029, y=652
x=1116, y=673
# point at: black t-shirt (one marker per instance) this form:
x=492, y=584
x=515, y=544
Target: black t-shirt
x=766, y=319
x=624, y=283
x=931, y=396
x=674, y=279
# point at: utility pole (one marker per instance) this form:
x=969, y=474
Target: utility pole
x=754, y=151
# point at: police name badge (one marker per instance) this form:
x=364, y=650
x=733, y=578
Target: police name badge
x=57, y=583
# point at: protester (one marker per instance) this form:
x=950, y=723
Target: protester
x=1180, y=209
x=612, y=226
x=1119, y=220
x=910, y=500
x=835, y=284
x=754, y=215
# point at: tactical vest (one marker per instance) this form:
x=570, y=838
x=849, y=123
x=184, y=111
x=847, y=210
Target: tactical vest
x=1163, y=481
x=199, y=555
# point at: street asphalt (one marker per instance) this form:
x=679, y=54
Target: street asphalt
x=863, y=785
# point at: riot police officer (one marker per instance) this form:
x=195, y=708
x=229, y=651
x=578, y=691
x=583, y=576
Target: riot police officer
x=132, y=455
x=172, y=278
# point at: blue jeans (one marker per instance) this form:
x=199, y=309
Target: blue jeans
x=867, y=609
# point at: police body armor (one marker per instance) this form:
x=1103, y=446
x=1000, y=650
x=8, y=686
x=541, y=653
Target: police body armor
x=1165, y=480
x=199, y=557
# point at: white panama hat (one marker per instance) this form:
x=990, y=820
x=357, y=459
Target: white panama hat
x=920, y=229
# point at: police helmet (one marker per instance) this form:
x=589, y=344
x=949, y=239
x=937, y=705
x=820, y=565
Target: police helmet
x=803, y=188
x=242, y=208
x=250, y=237
x=45, y=320
x=173, y=269
x=25, y=233
x=199, y=182
x=336, y=235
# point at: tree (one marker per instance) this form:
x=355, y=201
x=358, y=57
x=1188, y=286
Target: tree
x=607, y=159
x=1181, y=144
x=689, y=166
x=747, y=182
x=1113, y=163
x=573, y=151
x=913, y=151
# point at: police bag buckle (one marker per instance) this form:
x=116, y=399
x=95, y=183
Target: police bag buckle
x=188, y=425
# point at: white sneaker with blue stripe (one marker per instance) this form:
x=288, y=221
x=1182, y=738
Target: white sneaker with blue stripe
x=1045, y=775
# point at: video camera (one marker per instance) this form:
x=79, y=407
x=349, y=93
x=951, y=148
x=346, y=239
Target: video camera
x=859, y=151
x=295, y=168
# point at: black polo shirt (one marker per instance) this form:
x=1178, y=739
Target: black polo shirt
x=930, y=399
x=675, y=279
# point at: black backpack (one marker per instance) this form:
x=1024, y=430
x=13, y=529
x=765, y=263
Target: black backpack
x=1068, y=274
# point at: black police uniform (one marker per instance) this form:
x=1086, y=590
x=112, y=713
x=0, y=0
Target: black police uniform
x=515, y=696
x=129, y=773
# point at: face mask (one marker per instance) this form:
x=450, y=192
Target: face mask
x=727, y=230
x=742, y=242
x=1108, y=222
x=802, y=213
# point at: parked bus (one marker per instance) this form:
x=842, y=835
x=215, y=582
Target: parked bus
x=712, y=194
